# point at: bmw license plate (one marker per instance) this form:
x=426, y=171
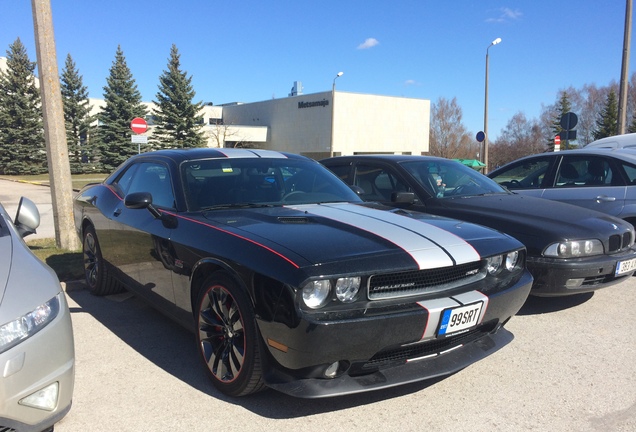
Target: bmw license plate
x=625, y=266
x=460, y=318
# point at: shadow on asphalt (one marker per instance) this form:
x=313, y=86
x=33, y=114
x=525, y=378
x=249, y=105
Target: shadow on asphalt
x=539, y=305
x=172, y=348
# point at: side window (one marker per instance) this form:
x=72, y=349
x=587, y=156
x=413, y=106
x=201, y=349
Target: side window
x=342, y=171
x=378, y=183
x=524, y=175
x=123, y=182
x=155, y=179
x=582, y=171
x=630, y=170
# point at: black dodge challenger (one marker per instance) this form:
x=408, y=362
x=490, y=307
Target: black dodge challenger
x=289, y=280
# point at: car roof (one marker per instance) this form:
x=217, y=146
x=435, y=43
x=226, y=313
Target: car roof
x=387, y=157
x=180, y=155
x=627, y=154
x=615, y=141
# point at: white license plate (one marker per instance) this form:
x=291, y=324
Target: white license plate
x=625, y=266
x=459, y=318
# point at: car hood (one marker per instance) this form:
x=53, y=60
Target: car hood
x=536, y=222
x=327, y=233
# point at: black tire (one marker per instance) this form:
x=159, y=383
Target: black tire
x=98, y=278
x=227, y=337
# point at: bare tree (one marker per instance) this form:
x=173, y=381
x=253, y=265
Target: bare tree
x=522, y=137
x=227, y=136
x=448, y=136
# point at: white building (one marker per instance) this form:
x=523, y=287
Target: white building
x=306, y=124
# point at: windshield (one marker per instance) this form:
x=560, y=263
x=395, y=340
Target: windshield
x=450, y=179
x=241, y=182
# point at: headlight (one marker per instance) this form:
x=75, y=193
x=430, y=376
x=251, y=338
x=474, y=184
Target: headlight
x=574, y=249
x=347, y=288
x=512, y=259
x=21, y=328
x=316, y=293
x=494, y=264
x=509, y=261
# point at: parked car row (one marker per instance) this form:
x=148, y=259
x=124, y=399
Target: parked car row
x=292, y=280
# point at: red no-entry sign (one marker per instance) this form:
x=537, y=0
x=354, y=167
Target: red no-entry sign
x=138, y=125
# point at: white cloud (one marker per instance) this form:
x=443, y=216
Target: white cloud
x=505, y=15
x=411, y=82
x=369, y=43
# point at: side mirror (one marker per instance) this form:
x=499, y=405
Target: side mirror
x=403, y=197
x=27, y=217
x=141, y=200
x=357, y=189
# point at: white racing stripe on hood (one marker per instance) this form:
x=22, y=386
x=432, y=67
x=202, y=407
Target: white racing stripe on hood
x=414, y=238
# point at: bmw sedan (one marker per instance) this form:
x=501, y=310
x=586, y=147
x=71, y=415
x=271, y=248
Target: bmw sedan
x=288, y=281
x=570, y=250
x=37, y=357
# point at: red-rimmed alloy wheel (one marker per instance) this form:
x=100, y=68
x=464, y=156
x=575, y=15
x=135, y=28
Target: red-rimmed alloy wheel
x=227, y=336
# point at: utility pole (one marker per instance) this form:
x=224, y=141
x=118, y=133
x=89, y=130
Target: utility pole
x=622, y=96
x=54, y=129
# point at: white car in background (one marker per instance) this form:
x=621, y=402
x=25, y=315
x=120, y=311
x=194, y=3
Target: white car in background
x=37, y=355
x=616, y=141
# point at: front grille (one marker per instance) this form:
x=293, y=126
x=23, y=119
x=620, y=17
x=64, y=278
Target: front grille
x=403, y=284
x=432, y=347
x=619, y=242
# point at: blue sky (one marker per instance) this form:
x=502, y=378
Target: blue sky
x=251, y=51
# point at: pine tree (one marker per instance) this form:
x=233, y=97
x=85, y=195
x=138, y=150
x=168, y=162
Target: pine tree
x=77, y=117
x=607, y=122
x=632, y=125
x=563, y=107
x=122, y=104
x=22, y=146
x=177, y=119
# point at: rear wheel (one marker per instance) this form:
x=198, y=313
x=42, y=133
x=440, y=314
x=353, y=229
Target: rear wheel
x=98, y=277
x=227, y=337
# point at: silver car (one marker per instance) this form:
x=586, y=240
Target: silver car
x=37, y=356
x=599, y=179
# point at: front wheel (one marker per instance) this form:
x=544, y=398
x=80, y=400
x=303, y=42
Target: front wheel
x=227, y=337
x=98, y=278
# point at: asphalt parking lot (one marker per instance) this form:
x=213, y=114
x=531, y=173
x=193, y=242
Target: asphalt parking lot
x=570, y=367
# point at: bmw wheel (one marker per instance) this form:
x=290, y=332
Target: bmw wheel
x=227, y=337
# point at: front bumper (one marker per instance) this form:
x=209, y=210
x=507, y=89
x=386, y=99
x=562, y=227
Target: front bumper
x=385, y=346
x=559, y=277
x=46, y=358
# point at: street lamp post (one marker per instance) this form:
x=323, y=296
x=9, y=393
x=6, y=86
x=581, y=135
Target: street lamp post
x=333, y=98
x=485, y=149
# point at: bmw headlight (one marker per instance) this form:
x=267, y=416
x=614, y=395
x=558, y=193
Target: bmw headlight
x=574, y=249
x=347, y=288
x=316, y=293
x=21, y=328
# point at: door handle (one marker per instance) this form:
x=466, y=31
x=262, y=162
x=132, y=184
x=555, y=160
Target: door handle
x=117, y=212
x=605, y=198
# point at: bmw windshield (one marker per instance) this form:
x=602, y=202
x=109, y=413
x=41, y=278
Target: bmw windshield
x=450, y=179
